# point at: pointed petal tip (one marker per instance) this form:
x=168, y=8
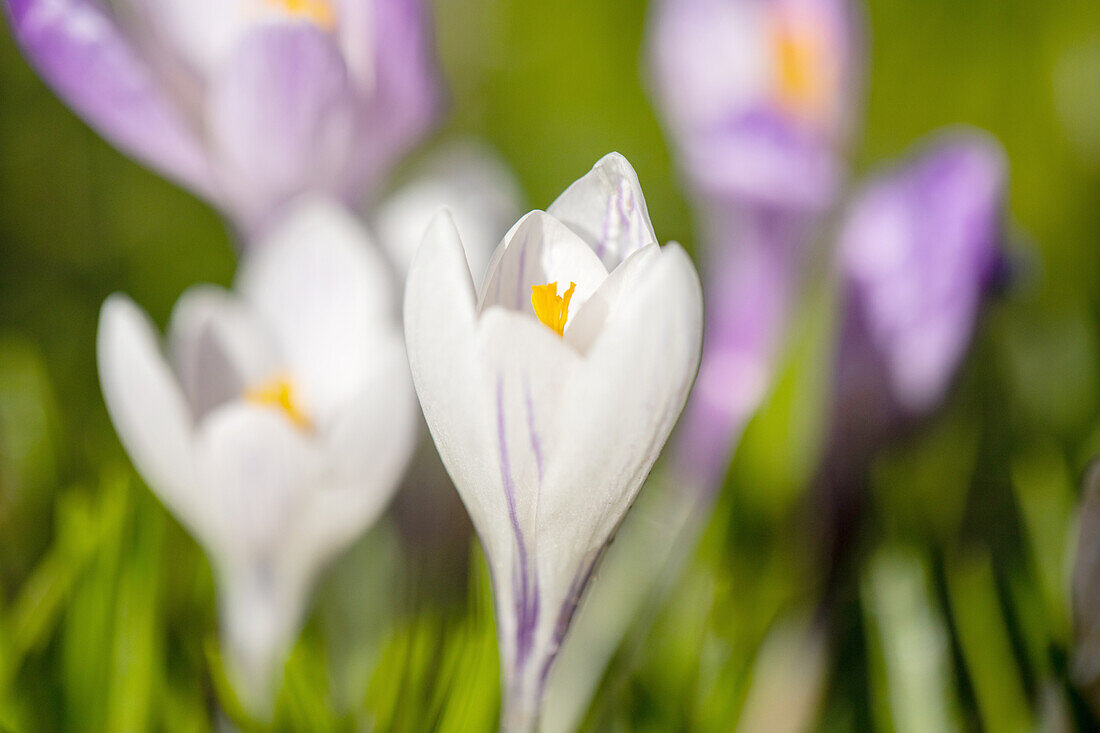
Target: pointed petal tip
x=440, y=261
x=441, y=233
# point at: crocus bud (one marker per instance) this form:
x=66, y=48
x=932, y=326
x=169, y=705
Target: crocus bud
x=550, y=394
x=759, y=96
x=249, y=103
x=278, y=424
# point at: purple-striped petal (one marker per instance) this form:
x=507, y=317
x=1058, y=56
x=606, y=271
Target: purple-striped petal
x=82, y=54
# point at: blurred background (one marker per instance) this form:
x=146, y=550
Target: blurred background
x=952, y=607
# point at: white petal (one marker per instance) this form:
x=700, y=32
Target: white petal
x=369, y=448
x=607, y=209
x=539, y=250
x=148, y=408
x=589, y=320
x=618, y=415
x=470, y=180
x=218, y=347
x=326, y=295
x=257, y=470
x=440, y=324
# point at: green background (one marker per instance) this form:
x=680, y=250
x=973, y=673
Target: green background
x=956, y=611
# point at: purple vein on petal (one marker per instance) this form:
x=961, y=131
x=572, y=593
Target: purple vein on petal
x=527, y=605
x=565, y=615
x=617, y=220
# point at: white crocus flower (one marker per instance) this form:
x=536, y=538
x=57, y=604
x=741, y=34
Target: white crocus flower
x=278, y=424
x=551, y=394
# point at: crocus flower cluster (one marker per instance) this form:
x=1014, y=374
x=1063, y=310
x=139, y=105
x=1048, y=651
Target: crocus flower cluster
x=550, y=393
x=249, y=103
x=278, y=424
x=281, y=420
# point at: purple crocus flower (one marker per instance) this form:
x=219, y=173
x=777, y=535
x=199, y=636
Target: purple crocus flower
x=759, y=96
x=249, y=103
x=919, y=250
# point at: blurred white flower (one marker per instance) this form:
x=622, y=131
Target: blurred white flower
x=278, y=425
x=550, y=396
x=466, y=177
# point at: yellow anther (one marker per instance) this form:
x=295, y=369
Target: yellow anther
x=278, y=392
x=318, y=12
x=551, y=308
x=799, y=69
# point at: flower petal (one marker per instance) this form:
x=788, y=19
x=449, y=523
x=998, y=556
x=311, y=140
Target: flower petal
x=918, y=251
x=282, y=119
x=148, y=409
x=607, y=209
x=390, y=51
x=83, y=55
x=474, y=183
x=368, y=447
x=589, y=321
x=218, y=347
x=440, y=325
x=257, y=470
x=326, y=295
x=200, y=33
x=539, y=250
x=633, y=386
x=763, y=158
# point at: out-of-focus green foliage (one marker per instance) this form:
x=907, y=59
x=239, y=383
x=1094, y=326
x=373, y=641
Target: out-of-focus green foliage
x=954, y=612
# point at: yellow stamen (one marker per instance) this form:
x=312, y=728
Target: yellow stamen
x=318, y=12
x=278, y=392
x=551, y=308
x=800, y=70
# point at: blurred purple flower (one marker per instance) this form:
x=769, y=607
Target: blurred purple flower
x=919, y=250
x=760, y=96
x=249, y=103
